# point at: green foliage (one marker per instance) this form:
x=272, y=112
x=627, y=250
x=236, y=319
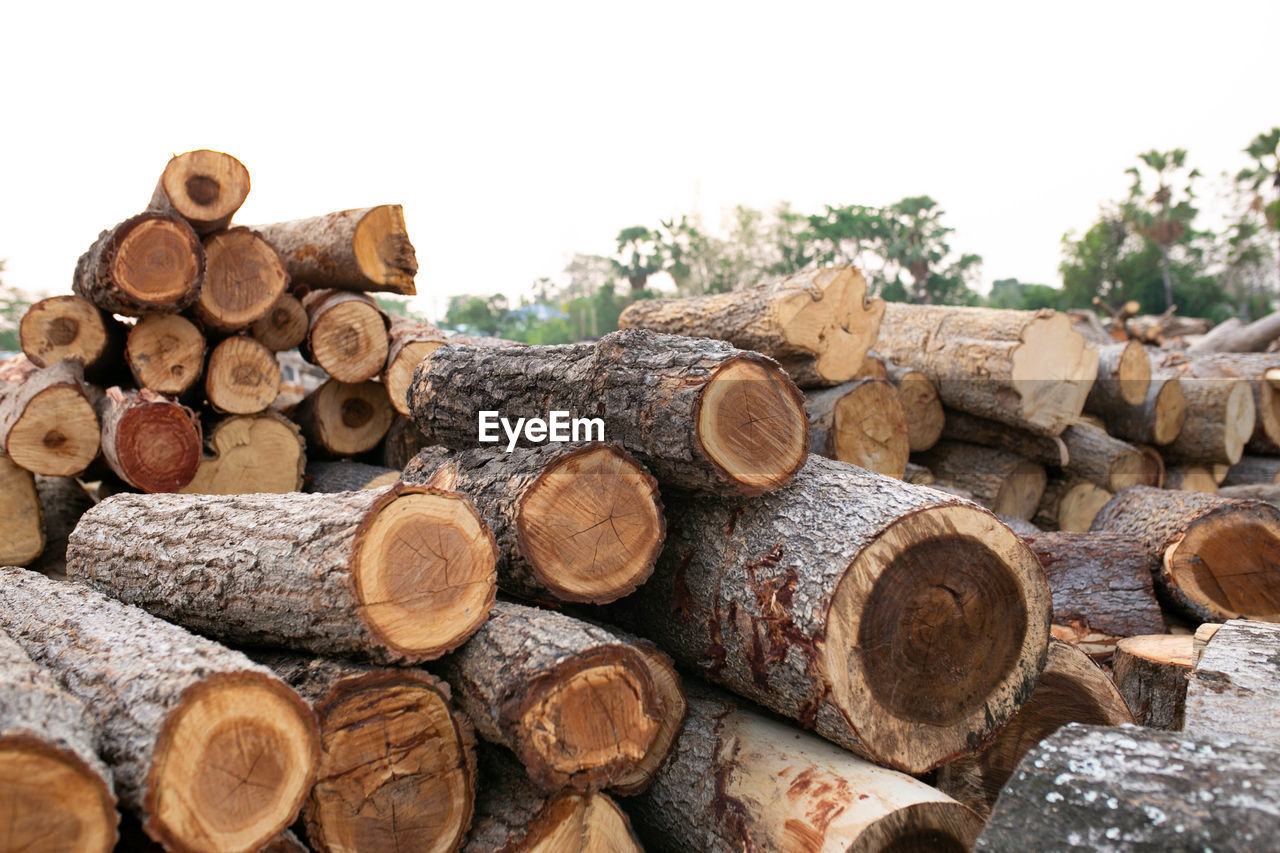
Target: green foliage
x=1018, y=295
x=12, y=306
x=398, y=307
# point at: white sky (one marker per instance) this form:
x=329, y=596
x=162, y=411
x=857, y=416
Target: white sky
x=517, y=134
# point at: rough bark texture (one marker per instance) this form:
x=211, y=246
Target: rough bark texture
x=62, y=502
x=249, y=454
x=860, y=422
x=403, y=442
x=149, y=441
x=346, y=335
x=1253, y=470
x=152, y=263
x=739, y=780
x=62, y=328
x=165, y=353
x=1253, y=368
x=918, y=475
x=811, y=601
x=364, y=249
x=1102, y=460
x=1120, y=789
x=342, y=419
x=1234, y=690
x=22, y=533
x=244, y=276
x=204, y=187
x=284, y=326
x=409, y=343
x=1124, y=376
x=1220, y=419
x=1069, y=503
x=1233, y=337
x=295, y=571
x=1151, y=674
x=1160, y=417
x=1003, y=482
x=47, y=423
x=243, y=377
x=1268, y=493
x=326, y=477
x=1048, y=450
x=699, y=414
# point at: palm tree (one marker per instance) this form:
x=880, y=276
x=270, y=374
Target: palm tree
x=1265, y=151
x=1158, y=217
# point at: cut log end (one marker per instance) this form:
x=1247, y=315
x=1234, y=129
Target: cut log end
x=349, y=340
x=1209, y=565
x=752, y=424
x=51, y=801
x=256, y=453
x=835, y=320
x=399, y=373
x=22, y=532
x=1021, y=491
x=382, y=249
x=204, y=187
x=925, y=414
x=346, y=419
x=158, y=263
x=574, y=821
x=244, y=276
x=424, y=571
x=869, y=429
x=62, y=328
x=57, y=433
x=1134, y=373
x=922, y=828
x=1129, y=468
x=165, y=353
x=1052, y=370
x=1169, y=413
x=243, y=376
x=284, y=326
x=158, y=446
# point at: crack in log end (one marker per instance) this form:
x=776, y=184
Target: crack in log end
x=1228, y=562
x=159, y=261
x=752, y=425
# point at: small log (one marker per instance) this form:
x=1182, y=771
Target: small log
x=918, y=475
x=573, y=701
x=243, y=377
x=284, y=326
x=204, y=187
x=1150, y=671
x=740, y=780
x=1003, y=482
x=343, y=419
x=396, y=574
x=1047, y=450
x=346, y=335
x=904, y=624
x=366, y=249
x=872, y=367
x=150, y=264
x=1212, y=558
x=860, y=422
x=63, y=328
x=1234, y=689
x=919, y=398
x=1159, y=419
x=1212, y=340
x=817, y=324
x=149, y=441
x=1124, y=376
x=699, y=414
x=403, y=442
x=55, y=793
x=251, y=454
x=1255, y=368
x=1153, y=463
x=1072, y=689
x=348, y=476
x=1253, y=470
x=165, y=353
x=1020, y=526
x=244, y=276
x=1190, y=478
x=1264, y=492
x=22, y=531
x=47, y=424
x=1069, y=504
x=573, y=522
x=1126, y=788
x=1102, y=460
x=62, y=501
x=397, y=764
x=1228, y=337
x=1220, y=420
x=410, y=342
x=212, y=751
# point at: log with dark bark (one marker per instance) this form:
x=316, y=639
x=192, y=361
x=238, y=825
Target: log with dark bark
x=211, y=750
x=244, y=276
x=860, y=422
x=365, y=249
x=670, y=687
x=342, y=419
x=1253, y=470
x=22, y=533
x=397, y=764
x=165, y=353
x=403, y=441
x=818, y=324
x=573, y=522
x=1220, y=420
x=62, y=501
x=346, y=335
x=1102, y=460
x=1227, y=337
x=251, y=453
x=699, y=414
x=1212, y=558
x=1269, y=493
x=204, y=187
x=1150, y=671
x=149, y=441
x=920, y=401
x=1047, y=450
x=1072, y=689
x=1003, y=482
x=1160, y=417
x=47, y=424
x=243, y=377
x=410, y=342
x=1030, y=369
x=394, y=574
x=1125, y=788
x=899, y=622
x=1124, y=376
x=150, y=264
x=1234, y=689
x=62, y=328
x=575, y=702
x=284, y=326
x=348, y=476
x=1069, y=503
x=55, y=792
x=740, y=780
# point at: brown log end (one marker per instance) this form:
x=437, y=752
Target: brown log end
x=165, y=353
x=62, y=328
x=1150, y=671
x=1168, y=412
x=349, y=340
x=51, y=800
x=834, y=320
x=251, y=454
x=382, y=249
x=284, y=326
x=1052, y=370
x=346, y=419
x=244, y=276
x=158, y=262
x=157, y=446
x=869, y=429
x=399, y=372
x=57, y=432
x=243, y=377
x=22, y=533
x=1133, y=373
x=925, y=414
x=1228, y=561
x=674, y=707
x=204, y=187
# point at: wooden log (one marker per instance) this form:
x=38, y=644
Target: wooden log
x=243, y=377
x=55, y=793
x=284, y=326
x=365, y=249
x=211, y=750
x=409, y=343
x=346, y=335
x=1030, y=369
x=1125, y=788
x=918, y=475
x=1234, y=689
x=863, y=618
x=244, y=277
x=397, y=764
x=1124, y=377
x=818, y=324
x=1220, y=420
x=22, y=531
x=47, y=424
x=149, y=441
x=1190, y=478
x=860, y=422
x=1072, y=689
x=1101, y=586
x=1263, y=492
x=919, y=398
x=573, y=522
x=403, y=442
x=343, y=419
x=1102, y=460
x=401, y=574
x=1200, y=638
x=348, y=476
x=1253, y=470
x=152, y=263
x=1150, y=671
x=62, y=501
x=1159, y=419
x=1020, y=526
x=251, y=454
x=1003, y=482
x=1047, y=450
x=165, y=353
x=63, y=328
x=1212, y=558
x=740, y=780
x=204, y=187
x=1153, y=463
x=575, y=702
x=1228, y=337
x=872, y=367
x=699, y=414
x=1069, y=503
x=1255, y=368
x=670, y=688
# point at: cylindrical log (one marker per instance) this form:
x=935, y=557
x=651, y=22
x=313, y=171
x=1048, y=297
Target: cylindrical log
x=1160, y=417
x=365, y=249
x=573, y=522
x=818, y=324
x=409, y=344
x=1150, y=671
x=1124, y=376
x=204, y=187
x=1102, y=460
x=149, y=441
x=348, y=476
x=860, y=422
x=62, y=501
x=211, y=750
x=1269, y=493
x=1047, y=450
x=1190, y=478
x=152, y=263
x=670, y=687
x=62, y=328
x=343, y=419
x=1234, y=689
x=1069, y=503
x=284, y=326
x=243, y=377
x=346, y=335
x=918, y=475
x=900, y=623
x=872, y=367
x=739, y=780
x=249, y=454
x=22, y=532
x=1003, y=482
x=244, y=276
x=1153, y=465
x=403, y=442
x=1253, y=470
x=47, y=424
x=1238, y=337
x=1212, y=558
x=1220, y=420
x=925, y=415
x=699, y=414
x=1253, y=368
x=165, y=353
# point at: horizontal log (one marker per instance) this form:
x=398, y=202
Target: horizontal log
x=1150, y=671
x=364, y=249
x=152, y=263
x=860, y=422
x=62, y=328
x=165, y=353
x=344, y=419
x=149, y=441
x=22, y=531
x=1069, y=503
x=244, y=277
x=204, y=187
x=348, y=476
x=409, y=343
x=1234, y=689
x=1047, y=450
x=284, y=326
x=243, y=377
x=1003, y=482
x=346, y=335
x=47, y=423
x=1160, y=417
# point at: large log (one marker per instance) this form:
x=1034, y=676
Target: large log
x=919, y=398
x=1160, y=417
x=1234, y=689
x=397, y=764
x=244, y=276
x=860, y=422
x=165, y=353
x=151, y=263
x=1069, y=503
x=573, y=522
x=1102, y=460
x=211, y=750
x=251, y=453
x=1124, y=376
x=897, y=621
x=1227, y=337
x=346, y=335
x=1126, y=788
x=740, y=780
x=1212, y=558
x=395, y=574
x=62, y=328
x=204, y=187
x=409, y=343
x=344, y=419
x=1030, y=369
x=1150, y=671
x=22, y=532
x=47, y=424
x=284, y=326
x=243, y=377
x=62, y=502
x=699, y=414
x=149, y=441
x=1003, y=482
x=1048, y=450
x=364, y=249
x=670, y=688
